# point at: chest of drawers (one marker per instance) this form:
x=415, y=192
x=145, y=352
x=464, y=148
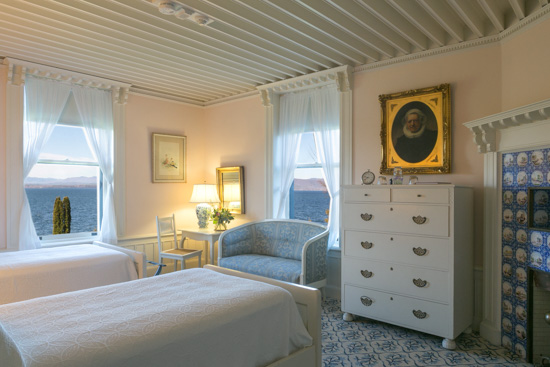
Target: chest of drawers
x=407, y=256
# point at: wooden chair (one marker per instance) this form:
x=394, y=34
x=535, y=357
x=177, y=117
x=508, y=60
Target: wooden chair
x=167, y=226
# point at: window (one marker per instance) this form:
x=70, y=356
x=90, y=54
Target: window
x=309, y=198
x=66, y=168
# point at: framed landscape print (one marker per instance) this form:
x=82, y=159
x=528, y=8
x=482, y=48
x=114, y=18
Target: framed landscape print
x=169, y=158
x=416, y=130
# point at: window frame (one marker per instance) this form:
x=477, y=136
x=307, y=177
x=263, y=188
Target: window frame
x=63, y=237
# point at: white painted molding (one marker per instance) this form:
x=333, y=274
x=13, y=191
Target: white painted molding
x=341, y=76
x=14, y=157
x=270, y=95
x=517, y=129
x=485, y=129
x=525, y=23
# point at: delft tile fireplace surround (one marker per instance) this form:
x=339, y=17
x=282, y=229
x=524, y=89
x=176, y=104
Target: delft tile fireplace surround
x=516, y=148
x=522, y=247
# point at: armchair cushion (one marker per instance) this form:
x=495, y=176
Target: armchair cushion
x=279, y=268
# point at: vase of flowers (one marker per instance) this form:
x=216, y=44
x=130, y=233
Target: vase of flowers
x=221, y=217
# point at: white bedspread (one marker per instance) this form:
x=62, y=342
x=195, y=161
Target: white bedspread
x=42, y=272
x=194, y=317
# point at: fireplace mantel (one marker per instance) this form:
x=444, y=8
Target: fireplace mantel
x=522, y=128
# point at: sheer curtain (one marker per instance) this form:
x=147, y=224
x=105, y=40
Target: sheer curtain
x=44, y=103
x=96, y=111
x=325, y=118
x=293, y=121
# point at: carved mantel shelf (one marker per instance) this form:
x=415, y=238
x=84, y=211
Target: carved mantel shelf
x=485, y=129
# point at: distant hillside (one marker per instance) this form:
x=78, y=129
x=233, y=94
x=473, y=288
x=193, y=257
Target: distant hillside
x=37, y=182
x=312, y=184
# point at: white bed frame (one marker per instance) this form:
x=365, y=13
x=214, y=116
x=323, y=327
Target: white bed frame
x=139, y=257
x=308, y=301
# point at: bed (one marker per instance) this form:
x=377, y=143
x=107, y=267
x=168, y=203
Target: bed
x=42, y=272
x=195, y=317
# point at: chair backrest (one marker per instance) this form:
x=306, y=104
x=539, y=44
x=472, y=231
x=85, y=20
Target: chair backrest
x=166, y=226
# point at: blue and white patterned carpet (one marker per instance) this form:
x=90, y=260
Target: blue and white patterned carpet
x=370, y=343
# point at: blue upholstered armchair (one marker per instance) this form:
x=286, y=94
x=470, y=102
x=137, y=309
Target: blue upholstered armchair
x=290, y=250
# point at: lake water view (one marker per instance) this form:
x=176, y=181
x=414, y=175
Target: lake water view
x=308, y=205
x=83, y=208
x=311, y=206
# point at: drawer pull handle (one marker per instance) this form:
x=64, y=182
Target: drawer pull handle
x=419, y=251
x=366, y=301
x=366, y=217
x=419, y=219
x=366, y=245
x=418, y=196
x=420, y=314
x=420, y=283
x=366, y=194
x=367, y=274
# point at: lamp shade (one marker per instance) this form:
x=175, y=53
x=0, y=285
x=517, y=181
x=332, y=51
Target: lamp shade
x=204, y=193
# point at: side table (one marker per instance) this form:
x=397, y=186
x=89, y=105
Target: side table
x=199, y=234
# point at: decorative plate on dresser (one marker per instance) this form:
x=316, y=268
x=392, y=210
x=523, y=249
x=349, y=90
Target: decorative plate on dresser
x=408, y=257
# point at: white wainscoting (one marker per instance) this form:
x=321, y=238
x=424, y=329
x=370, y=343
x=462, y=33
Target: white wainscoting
x=148, y=245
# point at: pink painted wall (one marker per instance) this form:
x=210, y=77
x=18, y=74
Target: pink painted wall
x=236, y=137
x=3, y=79
x=525, y=71
x=145, y=199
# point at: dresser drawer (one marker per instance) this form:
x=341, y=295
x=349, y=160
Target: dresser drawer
x=433, y=318
x=412, y=281
x=367, y=194
x=412, y=250
x=428, y=220
x=420, y=195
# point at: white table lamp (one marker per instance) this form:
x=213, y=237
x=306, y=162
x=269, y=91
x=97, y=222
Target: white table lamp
x=204, y=194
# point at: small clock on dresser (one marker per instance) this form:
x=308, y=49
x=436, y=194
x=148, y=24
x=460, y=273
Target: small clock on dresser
x=367, y=178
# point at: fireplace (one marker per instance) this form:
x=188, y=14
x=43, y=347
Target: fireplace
x=525, y=240
x=538, y=325
x=512, y=143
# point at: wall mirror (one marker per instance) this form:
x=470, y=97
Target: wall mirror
x=539, y=209
x=230, y=181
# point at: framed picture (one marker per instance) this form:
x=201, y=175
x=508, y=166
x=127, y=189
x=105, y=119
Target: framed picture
x=416, y=130
x=169, y=158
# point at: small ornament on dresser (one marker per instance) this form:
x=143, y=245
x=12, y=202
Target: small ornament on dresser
x=397, y=176
x=367, y=178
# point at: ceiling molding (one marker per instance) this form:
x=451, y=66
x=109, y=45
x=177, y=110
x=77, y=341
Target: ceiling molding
x=247, y=43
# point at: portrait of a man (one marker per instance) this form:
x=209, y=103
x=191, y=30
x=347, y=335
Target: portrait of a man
x=416, y=140
x=416, y=130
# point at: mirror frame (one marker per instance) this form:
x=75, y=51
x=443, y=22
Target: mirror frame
x=219, y=183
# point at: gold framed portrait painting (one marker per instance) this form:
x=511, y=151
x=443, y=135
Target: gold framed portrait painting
x=416, y=130
x=169, y=158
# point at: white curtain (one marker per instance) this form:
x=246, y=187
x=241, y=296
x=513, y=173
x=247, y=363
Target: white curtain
x=293, y=120
x=96, y=111
x=325, y=118
x=44, y=103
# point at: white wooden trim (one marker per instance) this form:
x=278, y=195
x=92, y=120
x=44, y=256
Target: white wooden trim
x=119, y=138
x=270, y=95
x=485, y=129
x=521, y=128
x=14, y=155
